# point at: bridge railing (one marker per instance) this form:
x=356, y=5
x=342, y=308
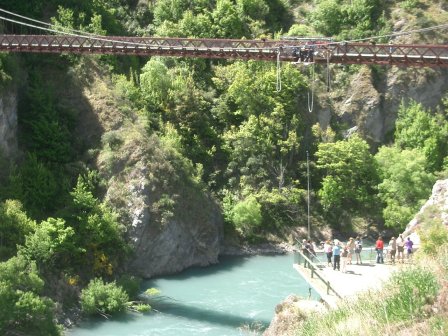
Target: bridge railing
x=301, y=259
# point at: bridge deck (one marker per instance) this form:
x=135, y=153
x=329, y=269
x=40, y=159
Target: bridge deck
x=268, y=50
x=357, y=279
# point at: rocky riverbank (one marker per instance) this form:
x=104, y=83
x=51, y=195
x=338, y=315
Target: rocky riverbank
x=265, y=248
x=289, y=313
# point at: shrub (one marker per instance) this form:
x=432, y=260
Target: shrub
x=246, y=216
x=131, y=284
x=412, y=288
x=103, y=298
x=432, y=236
x=14, y=226
x=409, y=4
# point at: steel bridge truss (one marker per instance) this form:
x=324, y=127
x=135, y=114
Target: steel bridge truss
x=268, y=50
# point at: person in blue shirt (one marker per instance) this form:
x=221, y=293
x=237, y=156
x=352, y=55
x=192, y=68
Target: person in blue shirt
x=336, y=255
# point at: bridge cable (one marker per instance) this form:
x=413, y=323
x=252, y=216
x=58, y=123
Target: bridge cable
x=408, y=32
x=312, y=74
x=279, y=72
x=44, y=23
x=328, y=72
x=442, y=26
x=69, y=34
x=94, y=37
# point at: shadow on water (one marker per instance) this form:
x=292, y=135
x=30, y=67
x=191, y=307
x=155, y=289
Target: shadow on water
x=206, y=315
x=180, y=310
x=93, y=323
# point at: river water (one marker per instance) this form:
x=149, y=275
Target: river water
x=219, y=300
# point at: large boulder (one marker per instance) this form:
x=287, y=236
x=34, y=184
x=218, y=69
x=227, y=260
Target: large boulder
x=172, y=223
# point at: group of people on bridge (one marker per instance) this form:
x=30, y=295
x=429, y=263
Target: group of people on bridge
x=340, y=254
x=396, y=249
x=303, y=54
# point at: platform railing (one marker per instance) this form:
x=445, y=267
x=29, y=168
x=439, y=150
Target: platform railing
x=301, y=259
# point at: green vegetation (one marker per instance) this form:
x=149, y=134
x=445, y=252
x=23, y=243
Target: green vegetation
x=101, y=298
x=212, y=129
x=413, y=301
x=350, y=176
x=405, y=184
x=14, y=226
x=23, y=309
x=349, y=20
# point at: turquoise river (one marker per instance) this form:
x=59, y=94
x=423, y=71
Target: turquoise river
x=218, y=300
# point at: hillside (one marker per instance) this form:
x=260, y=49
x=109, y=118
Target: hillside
x=116, y=166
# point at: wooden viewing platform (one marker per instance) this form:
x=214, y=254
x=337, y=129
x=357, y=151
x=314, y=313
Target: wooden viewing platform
x=333, y=285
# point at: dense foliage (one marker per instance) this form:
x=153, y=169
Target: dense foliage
x=103, y=298
x=22, y=309
x=350, y=175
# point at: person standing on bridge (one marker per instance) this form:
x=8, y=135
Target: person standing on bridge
x=328, y=249
x=393, y=249
x=379, y=246
x=358, y=249
x=344, y=258
x=351, y=250
x=400, y=248
x=336, y=255
x=409, y=244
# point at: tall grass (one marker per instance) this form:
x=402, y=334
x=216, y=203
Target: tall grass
x=401, y=300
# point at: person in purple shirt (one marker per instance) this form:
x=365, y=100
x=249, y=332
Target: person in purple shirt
x=408, y=246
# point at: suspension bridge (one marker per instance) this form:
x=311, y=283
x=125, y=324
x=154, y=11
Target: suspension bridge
x=322, y=50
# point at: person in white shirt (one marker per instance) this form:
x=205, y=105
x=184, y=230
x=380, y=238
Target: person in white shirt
x=400, y=248
x=328, y=249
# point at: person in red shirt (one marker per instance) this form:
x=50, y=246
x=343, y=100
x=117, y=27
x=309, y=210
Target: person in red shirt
x=379, y=246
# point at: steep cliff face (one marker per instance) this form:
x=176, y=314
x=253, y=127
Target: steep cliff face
x=8, y=123
x=370, y=102
x=172, y=223
x=170, y=220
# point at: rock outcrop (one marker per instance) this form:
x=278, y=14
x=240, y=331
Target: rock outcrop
x=290, y=313
x=436, y=208
x=172, y=223
x=371, y=100
x=8, y=123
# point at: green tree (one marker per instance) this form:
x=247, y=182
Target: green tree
x=405, y=184
x=46, y=128
x=22, y=309
x=359, y=18
x=14, y=226
x=350, y=175
x=98, y=235
x=419, y=128
x=181, y=103
x=281, y=208
x=36, y=186
x=51, y=245
x=262, y=127
x=246, y=216
x=228, y=21
x=155, y=82
x=327, y=17
x=169, y=10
